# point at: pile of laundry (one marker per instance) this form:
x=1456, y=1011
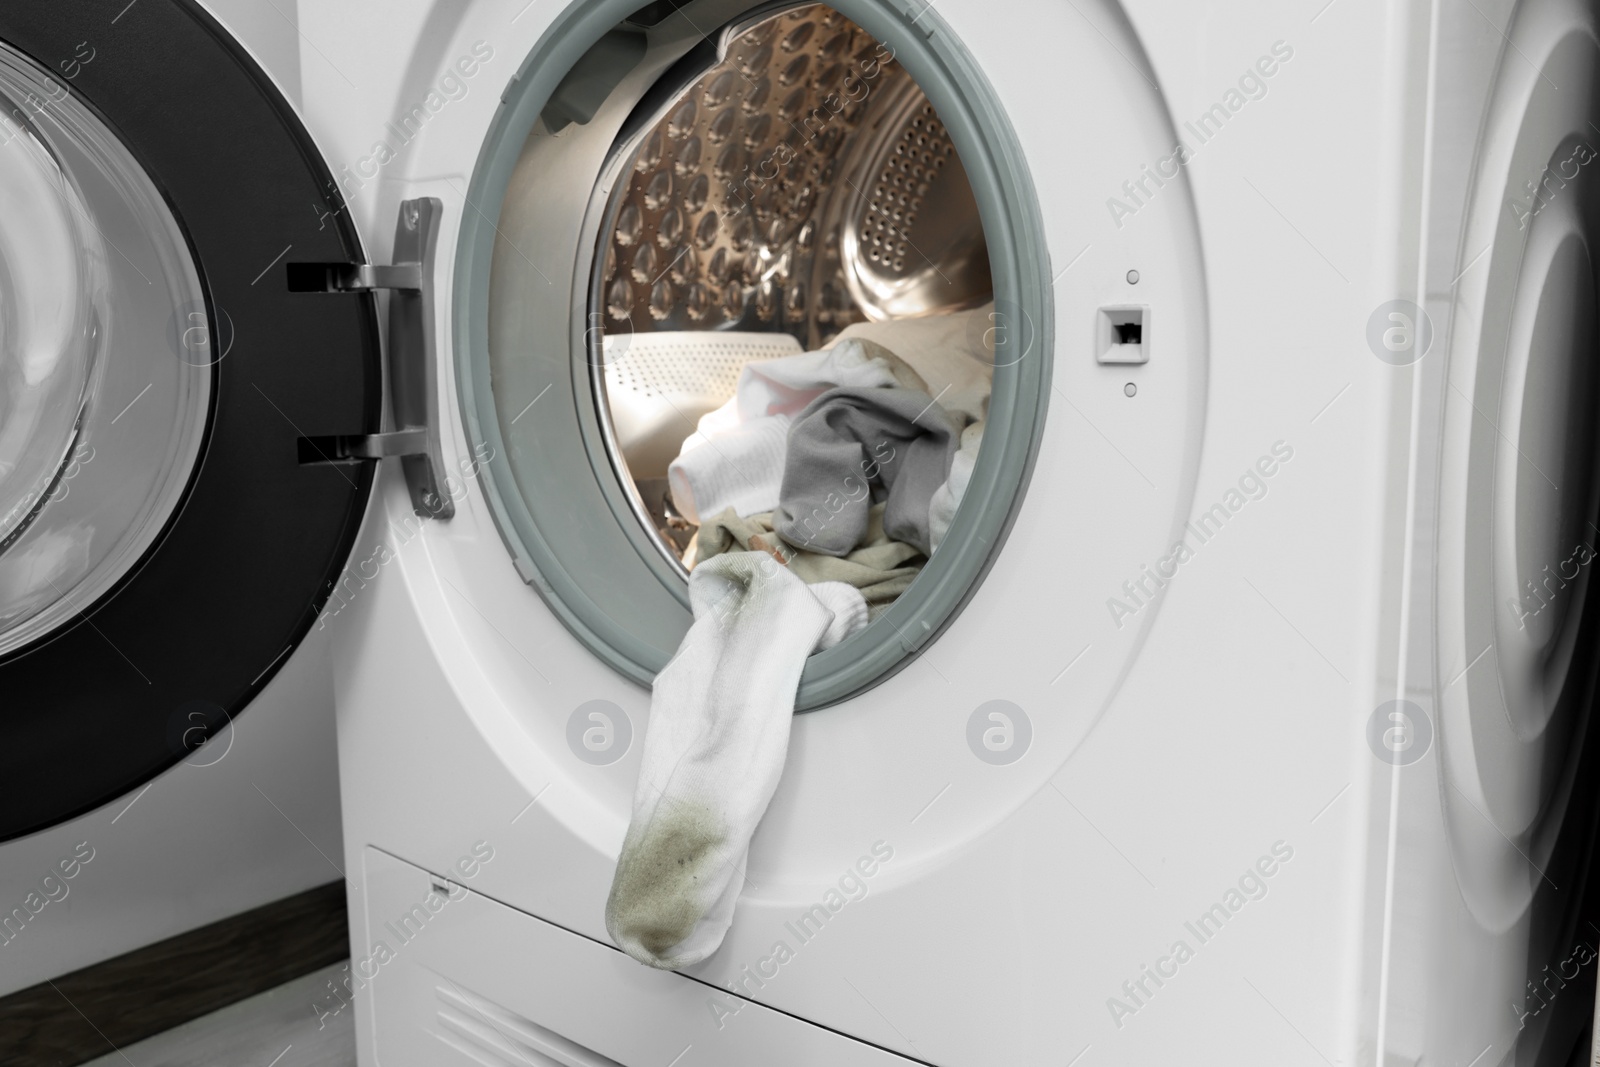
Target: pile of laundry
x=820, y=489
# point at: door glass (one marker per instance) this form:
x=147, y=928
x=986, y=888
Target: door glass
x=106, y=354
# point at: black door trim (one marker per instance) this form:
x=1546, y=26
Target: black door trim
x=236, y=580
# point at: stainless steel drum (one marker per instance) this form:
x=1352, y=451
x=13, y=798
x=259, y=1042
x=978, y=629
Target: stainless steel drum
x=802, y=183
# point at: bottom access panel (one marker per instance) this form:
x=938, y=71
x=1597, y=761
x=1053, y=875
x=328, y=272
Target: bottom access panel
x=446, y=976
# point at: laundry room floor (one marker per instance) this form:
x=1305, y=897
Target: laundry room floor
x=278, y=1028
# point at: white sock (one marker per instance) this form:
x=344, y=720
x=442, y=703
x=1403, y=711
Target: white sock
x=741, y=469
x=720, y=714
x=735, y=457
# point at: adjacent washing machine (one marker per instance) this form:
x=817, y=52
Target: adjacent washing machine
x=1239, y=715
x=163, y=550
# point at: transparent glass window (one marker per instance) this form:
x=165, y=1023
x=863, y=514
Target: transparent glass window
x=106, y=357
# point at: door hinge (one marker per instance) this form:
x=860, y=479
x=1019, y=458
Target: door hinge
x=410, y=356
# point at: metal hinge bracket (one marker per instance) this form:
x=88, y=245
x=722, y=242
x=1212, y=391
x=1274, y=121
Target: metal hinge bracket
x=411, y=357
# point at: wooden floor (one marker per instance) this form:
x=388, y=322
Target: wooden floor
x=79, y=1017
x=278, y=1028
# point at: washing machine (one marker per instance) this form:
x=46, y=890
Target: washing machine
x=164, y=551
x=1243, y=714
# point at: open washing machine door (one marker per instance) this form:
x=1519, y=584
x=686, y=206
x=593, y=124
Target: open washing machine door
x=164, y=545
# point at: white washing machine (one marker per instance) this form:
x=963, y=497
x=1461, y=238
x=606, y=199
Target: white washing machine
x=163, y=552
x=1238, y=719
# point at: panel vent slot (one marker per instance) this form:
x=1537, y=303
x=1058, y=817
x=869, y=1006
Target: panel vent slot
x=500, y=1038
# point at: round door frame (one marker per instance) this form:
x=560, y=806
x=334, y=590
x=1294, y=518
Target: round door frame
x=610, y=608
